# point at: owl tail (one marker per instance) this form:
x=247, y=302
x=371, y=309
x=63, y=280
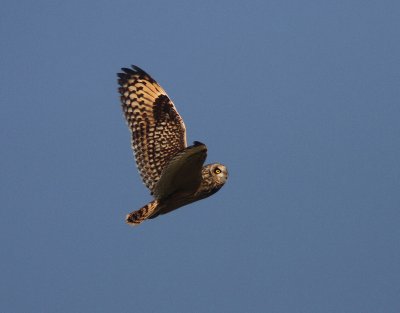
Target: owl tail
x=136, y=217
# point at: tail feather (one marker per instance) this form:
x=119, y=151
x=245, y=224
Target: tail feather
x=136, y=217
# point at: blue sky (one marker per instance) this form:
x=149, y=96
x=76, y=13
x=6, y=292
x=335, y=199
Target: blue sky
x=299, y=99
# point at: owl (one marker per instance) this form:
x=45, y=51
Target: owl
x=172, y=171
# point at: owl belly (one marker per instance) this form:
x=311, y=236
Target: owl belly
x=173, y=202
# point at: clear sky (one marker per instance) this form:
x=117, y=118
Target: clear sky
x=299, y=99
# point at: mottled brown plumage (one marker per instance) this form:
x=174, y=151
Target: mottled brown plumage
x=173, y=172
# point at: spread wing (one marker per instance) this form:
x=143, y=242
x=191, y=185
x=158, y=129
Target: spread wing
x=158, y=131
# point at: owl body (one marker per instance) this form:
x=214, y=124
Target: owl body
x=172, y=171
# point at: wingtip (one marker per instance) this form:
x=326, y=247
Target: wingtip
x=122, y=75
x=137, y=68
x=198, y=146
x=128, y=70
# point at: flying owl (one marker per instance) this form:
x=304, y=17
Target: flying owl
x=172, y=170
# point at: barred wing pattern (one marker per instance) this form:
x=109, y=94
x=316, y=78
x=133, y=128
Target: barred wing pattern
x=158, y=131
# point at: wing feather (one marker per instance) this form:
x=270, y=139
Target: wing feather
x=158, y=131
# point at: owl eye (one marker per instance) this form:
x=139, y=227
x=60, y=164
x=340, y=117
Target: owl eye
x=217, y=171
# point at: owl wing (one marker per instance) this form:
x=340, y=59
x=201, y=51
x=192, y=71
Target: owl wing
x=158, y=131
x=183, y=172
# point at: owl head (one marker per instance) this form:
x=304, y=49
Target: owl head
x=218, y=172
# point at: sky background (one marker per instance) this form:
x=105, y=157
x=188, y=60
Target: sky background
x=299, y=99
